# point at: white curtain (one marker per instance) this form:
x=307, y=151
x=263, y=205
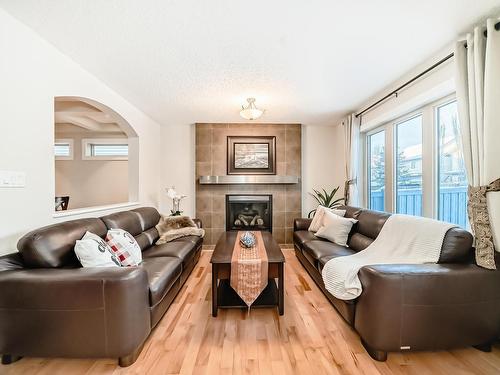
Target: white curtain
x=478, y=94
x=351, y=150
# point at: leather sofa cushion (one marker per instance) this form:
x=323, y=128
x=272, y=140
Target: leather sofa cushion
x=162, y=274
x=352, y=212
x=11, y=262
x=126, y=220
x=315, y=250
x=457, y=246
x=147, y=239
x=358, y=241
x=340, y=252
x=184, y=250
x=52, y=246
x=148, y=217
x=196, y=240
x=300, y=237
x=370, y=223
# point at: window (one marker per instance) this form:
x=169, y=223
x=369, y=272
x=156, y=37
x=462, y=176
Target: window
x=63, y=149
x=408, y=179
x=452, y=179
x=414, y=164
x=108, y=150
x=105, y=149
x=376, y=166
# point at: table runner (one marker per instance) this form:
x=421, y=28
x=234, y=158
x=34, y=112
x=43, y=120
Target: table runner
x=249, y=269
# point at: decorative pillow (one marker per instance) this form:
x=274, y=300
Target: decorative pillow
x=172, y=227
x=336, y=228
x=317, y=221
x=93, y=251
x=125, y=247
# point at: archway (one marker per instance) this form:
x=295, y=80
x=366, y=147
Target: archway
x=96, y=155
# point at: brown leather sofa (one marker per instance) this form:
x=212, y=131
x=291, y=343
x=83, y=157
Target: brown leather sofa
x=52, y=307
x=410, y=307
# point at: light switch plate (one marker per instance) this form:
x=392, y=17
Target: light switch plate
x=13, y=179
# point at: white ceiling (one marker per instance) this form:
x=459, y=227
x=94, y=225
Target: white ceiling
x=186, y=61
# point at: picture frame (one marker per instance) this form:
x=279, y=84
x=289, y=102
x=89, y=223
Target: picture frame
x=251, y=155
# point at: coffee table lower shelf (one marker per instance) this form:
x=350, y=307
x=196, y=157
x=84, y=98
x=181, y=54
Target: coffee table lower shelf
x=227, y=298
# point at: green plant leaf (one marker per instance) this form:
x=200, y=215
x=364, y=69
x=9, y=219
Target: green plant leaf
x=311, y=213
x=325, y=198
x=315, y=197
x=328, y=198
x=336, y=202
x=321, y=197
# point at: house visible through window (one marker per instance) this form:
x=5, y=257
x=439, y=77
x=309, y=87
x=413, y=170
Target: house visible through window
x=423, y=182
x=408, y=179
x=376, y=165
x=452, y=180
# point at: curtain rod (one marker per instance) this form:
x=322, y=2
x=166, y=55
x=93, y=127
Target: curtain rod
x=395, y=92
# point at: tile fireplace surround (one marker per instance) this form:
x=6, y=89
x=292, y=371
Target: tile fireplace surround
x=211, y=160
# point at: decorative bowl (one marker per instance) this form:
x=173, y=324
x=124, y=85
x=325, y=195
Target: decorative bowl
x=248, y=240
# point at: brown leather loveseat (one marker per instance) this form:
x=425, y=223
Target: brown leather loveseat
x=52, y=307
x=410, y=307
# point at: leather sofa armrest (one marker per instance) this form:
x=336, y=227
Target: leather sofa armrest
x=95, y=312
x=301, y=224
x=198, y=223
x=427, y=306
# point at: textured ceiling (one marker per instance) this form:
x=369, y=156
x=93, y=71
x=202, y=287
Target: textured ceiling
x=186, y=61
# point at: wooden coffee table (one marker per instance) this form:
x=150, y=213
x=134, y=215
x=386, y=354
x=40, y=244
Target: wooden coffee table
x=223, y=296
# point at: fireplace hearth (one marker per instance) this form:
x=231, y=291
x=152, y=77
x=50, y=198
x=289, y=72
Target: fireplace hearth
x=249, y=212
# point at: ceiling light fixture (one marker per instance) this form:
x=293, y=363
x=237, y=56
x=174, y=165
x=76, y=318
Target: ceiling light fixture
x=251, y=112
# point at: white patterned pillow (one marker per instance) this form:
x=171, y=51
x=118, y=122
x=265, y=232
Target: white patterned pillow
x=93, y=251
x=125, y=247
x=317, y=221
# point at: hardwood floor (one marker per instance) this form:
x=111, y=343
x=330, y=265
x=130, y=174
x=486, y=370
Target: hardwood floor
x=310, y=338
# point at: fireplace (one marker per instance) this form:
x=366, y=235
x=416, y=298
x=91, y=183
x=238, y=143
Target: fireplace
x=249, y=212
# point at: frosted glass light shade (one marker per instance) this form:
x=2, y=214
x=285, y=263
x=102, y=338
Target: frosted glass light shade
x=251, y=112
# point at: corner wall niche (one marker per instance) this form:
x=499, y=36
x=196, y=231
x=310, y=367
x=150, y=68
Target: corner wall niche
x=213, y=184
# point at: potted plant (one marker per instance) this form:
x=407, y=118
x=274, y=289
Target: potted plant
x=326, y=199
x=176, y=200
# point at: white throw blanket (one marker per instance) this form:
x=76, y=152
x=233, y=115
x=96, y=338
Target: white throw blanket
x=403, y=240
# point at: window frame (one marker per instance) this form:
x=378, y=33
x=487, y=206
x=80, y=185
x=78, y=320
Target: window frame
x=394, y=162
x=87, y=148
x=367, y=169
x=430, y=154
x=436, y=105
x=70, y=143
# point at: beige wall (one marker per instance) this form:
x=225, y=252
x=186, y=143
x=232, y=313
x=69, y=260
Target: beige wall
x=32, y=74
x=322, y=163
x=91, y=183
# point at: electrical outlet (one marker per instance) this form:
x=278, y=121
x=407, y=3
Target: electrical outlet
x=12, y=179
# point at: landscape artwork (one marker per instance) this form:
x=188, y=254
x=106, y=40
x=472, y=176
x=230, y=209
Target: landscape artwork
x=251, y=155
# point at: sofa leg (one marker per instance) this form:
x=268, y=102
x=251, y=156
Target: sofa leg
x=483, y=347
x=7, y=359
x=377, y=355
x=131, y=358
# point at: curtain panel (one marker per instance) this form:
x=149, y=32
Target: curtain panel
x=478, y=93
x=351, y=126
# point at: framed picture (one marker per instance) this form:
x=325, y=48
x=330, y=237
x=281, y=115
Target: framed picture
x=251, y=155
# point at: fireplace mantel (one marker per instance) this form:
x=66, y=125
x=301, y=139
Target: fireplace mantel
x=248, y=179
